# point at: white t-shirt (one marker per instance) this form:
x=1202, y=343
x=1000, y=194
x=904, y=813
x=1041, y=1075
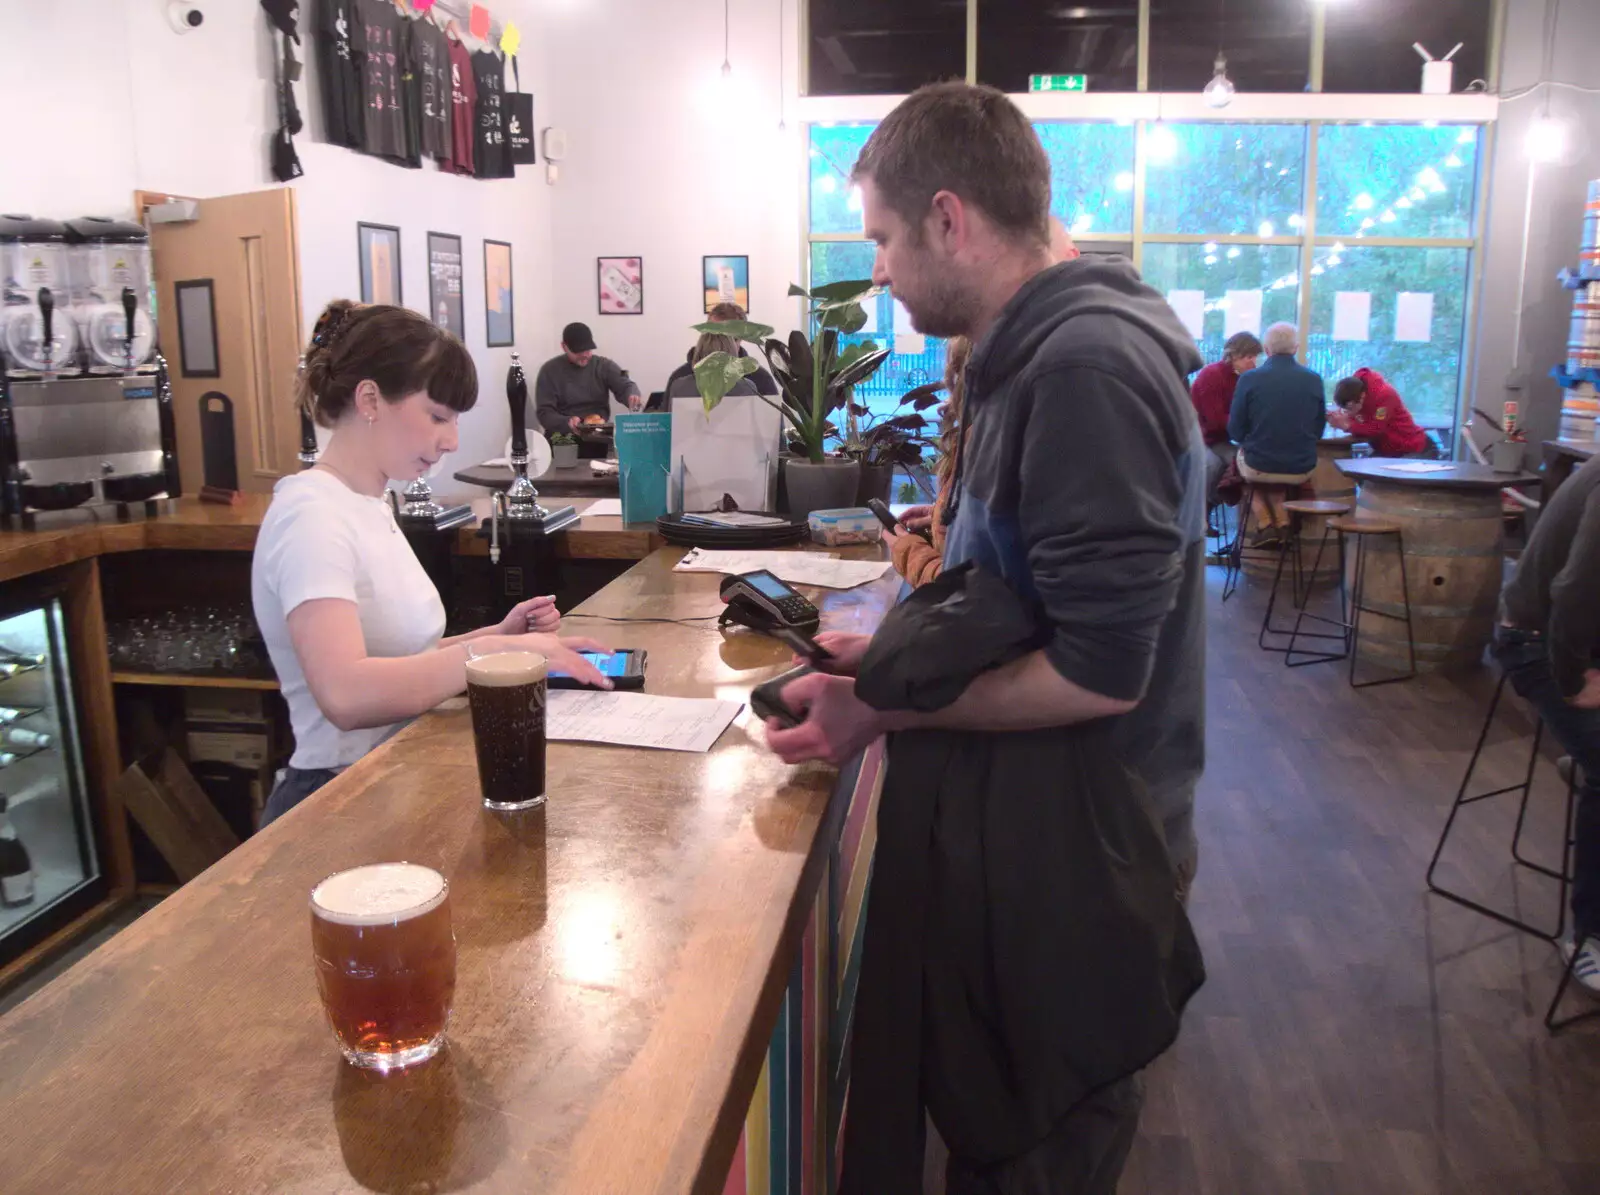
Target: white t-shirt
x=321, y=539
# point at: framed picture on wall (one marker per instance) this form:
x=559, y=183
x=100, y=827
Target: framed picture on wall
x=621, y=283
x=444, y=283
x=497, y=296
x=727, y=280
x=378, y=251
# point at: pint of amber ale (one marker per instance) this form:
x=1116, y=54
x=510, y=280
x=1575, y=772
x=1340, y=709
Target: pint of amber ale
x=508, y=692
x=386, y=961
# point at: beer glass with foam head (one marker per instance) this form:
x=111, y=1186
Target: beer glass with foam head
x=386, y=961
x=507, y=691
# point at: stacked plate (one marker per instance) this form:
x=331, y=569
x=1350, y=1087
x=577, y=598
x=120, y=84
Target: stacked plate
x=676, y=530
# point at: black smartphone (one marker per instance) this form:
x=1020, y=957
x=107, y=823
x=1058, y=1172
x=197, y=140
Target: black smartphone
x=766, y=699
x=885, y=516
x=625, y=669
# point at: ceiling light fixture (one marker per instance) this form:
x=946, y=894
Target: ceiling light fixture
x=727, y=65
x=1219, y=92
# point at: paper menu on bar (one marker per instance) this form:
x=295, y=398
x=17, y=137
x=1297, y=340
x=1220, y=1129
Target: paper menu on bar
x=797, y=568
x=637, y=719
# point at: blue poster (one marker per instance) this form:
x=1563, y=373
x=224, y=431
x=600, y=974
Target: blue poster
x=644, y=460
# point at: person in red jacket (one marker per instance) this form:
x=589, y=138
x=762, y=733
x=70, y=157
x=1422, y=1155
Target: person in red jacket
x=1367, y=405
x=1212, y=395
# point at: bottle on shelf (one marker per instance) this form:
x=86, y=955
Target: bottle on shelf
x=16, y=868
x=21, y=659
x=28, y=740
x=7, y=758
x=9, y=714
x=42, y=789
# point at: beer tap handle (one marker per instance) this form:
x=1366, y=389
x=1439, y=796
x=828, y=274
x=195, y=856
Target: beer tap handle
x=517, y=395
x=129, y=303
x=47, y=311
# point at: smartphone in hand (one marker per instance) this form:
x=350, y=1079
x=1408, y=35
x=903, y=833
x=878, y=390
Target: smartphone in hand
x=890, y=523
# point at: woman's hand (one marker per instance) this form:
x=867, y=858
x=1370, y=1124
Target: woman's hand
x=536, y=614
x=565, y=655
x=917, y=518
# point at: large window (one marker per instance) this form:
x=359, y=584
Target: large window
x=1371, y=261
x=1225, y=179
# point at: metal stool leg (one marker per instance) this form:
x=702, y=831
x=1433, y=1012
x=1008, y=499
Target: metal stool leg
x=1463, y=799
x=1296, y=634
x=1235, y=565
x=1357, y=610
x=1285, y=548
x=1567, y=975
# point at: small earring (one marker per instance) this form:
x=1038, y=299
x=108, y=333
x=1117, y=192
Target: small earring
x=371, y=420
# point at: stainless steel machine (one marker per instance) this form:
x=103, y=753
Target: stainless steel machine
x=85, y=409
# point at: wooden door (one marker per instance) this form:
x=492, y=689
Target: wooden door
x=237, y=268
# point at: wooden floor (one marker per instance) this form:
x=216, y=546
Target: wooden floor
x=1356, y=1034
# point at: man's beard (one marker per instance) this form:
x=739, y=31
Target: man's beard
x=946, y=309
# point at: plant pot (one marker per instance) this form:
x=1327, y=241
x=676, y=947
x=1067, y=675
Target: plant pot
x=1505, y=456
x=827, y=486
x=563, y=456
x=876, y=482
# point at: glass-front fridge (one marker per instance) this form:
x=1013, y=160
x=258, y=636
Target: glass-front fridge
x=49, y=870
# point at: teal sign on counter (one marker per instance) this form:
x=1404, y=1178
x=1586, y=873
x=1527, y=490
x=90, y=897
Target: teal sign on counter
x=644, y=463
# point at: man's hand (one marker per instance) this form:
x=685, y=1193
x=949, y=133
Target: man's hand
x=636, y=403
x=1588, y=697
x=1339, y=419
x=838, y=724
x=846, y=650
x=574, y=424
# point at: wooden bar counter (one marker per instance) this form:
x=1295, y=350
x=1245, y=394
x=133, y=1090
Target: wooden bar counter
x=623, y=958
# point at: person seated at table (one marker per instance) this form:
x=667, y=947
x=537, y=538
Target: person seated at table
x=1276, y=421
x=1212, y=395
x=577, y=387
x=1366, y=404
x=353, y=625
x=723, y=313
x=916, y=559
x=685, y=385
x=1548, y=644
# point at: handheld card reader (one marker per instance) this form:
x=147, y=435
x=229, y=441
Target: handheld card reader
x=763, y=603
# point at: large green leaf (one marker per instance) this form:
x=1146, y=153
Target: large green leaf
x=719, y=373
x=846, y=317
x=842, y=292
x=744, y=330
x=860, y=369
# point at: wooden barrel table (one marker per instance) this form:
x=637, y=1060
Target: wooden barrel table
x=1450, y=519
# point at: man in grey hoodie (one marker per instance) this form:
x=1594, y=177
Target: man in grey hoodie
x=1081, y=484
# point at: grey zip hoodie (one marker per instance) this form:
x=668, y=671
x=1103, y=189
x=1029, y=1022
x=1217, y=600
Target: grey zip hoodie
x=1082, y=484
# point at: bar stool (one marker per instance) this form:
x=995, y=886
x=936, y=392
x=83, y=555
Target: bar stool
x=1351, y=600
x=1235, y=563
x=1562, y=875
x=1299, y=585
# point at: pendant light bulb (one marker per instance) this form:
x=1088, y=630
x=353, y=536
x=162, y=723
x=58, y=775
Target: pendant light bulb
x=1219, y=92
x=727, y=68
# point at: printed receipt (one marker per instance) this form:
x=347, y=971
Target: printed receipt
x=797, y=568
x=637, y=719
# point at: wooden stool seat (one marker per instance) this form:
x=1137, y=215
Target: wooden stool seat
x=1355, y=526
x=1317, y=506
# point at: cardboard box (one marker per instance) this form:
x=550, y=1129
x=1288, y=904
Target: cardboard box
x=225, y=705
x=243, y=745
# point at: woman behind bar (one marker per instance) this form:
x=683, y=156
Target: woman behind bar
x=916, y=559
x=352, y=622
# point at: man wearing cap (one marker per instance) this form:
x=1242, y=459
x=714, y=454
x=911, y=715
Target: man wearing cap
x=579, y=383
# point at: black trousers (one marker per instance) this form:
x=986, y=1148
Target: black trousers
x=1084, y=1155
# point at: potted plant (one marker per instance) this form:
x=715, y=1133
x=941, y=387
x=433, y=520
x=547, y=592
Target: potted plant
x=815, y=379
x=894, y=444
x=563, y=450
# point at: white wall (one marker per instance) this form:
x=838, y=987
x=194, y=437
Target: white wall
x=670, y=162
x=1510, y=366
x=193, y=114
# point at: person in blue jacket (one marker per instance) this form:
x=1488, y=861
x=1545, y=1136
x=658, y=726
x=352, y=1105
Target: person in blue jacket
x=1277, y=418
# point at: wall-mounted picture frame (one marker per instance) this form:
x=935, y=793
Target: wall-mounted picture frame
x=620, y=283
x=378, y=251
x=499, y=316
x=445, y=306
x=727, y=280
x=197, y=328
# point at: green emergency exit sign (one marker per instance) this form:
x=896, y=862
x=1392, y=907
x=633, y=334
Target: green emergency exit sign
x=1058, y=82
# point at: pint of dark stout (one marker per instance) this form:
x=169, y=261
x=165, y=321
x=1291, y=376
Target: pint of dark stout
x=386, y=961
x=507, y=691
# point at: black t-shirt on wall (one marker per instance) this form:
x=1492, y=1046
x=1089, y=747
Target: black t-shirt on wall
x=337, y=35
x=491, y=156
x=431, y=60
x=384, y=123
